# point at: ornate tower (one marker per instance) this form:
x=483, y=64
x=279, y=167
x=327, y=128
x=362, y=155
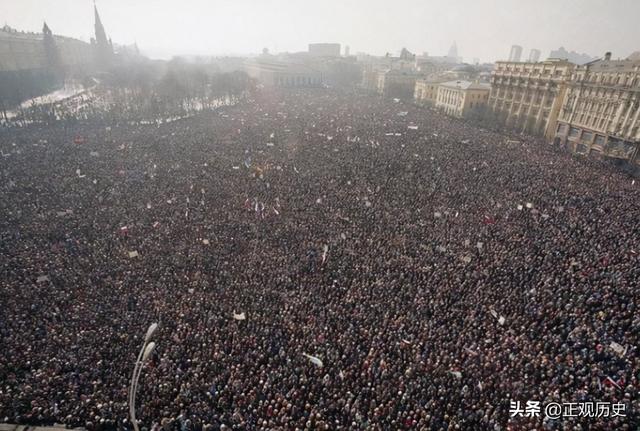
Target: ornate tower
x=453, y=51
x=104, y=49
x=52, y=55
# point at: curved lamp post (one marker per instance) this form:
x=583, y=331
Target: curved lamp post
x=145, y=352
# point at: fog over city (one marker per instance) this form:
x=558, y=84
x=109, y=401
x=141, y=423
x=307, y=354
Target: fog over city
x=483, y=29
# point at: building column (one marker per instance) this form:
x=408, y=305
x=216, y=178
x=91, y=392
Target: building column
x=619, y=112
x=540, y=116
x=529, y=109
x=574, y=107
x=636, y=104
x=520, y=107
x=628, y=114
x=510, y=113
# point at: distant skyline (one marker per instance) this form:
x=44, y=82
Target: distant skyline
x=483, y=29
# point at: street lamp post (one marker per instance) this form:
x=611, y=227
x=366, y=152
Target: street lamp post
x=145, y=352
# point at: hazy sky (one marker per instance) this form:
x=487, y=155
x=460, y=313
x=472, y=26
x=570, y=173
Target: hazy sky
x=482, y=28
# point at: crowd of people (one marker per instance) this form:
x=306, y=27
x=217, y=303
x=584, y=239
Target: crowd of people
x=396, y=269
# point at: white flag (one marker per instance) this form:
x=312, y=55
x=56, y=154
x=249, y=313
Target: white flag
x=314, y=360
x=240, y=316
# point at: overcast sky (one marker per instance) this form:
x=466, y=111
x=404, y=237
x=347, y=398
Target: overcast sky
x=482, y=28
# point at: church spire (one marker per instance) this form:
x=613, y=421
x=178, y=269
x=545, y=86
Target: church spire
x=101, y=36
x=103, y=47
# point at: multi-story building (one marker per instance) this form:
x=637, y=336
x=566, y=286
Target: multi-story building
x=572, y=56
x=369, y=80
x=428, y=65
x=534, y=55
x=271, y=71
x=527, y=96
x=426, y=91
x=20, y=51
x=397, y=83
x=453, y=54
x=390, y=76
x=601, y=110
x=460, y=98
x=32, y=64
x=515, y=53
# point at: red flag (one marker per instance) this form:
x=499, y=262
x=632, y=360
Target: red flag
x=488, y=220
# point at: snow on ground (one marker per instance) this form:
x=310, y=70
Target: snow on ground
x=55, y=96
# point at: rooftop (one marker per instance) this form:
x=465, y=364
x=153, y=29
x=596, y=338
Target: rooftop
x=466, y=85
x=603, y=65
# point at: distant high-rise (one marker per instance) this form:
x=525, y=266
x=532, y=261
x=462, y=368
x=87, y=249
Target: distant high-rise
x=453, y=51
x=346, y=51
x=534, y=55
x=405, y=54
x=572, y=56
x=516, y=53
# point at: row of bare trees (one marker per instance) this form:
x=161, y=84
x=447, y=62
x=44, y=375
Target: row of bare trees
x=155, y=90
x=144, y=90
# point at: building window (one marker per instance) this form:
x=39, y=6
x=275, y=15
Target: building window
x=574, y=132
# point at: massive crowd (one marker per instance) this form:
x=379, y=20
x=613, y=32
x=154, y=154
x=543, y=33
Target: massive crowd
x=439, y=272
